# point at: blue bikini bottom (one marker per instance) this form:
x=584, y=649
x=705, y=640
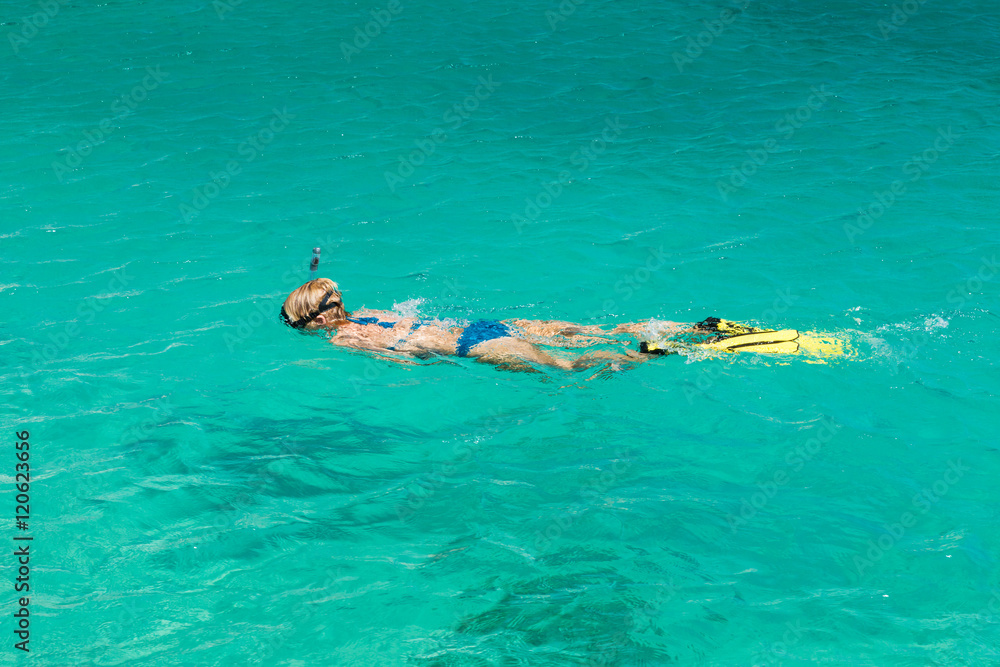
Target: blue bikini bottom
x=478, y=332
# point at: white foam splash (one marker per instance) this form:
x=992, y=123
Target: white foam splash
x=661, y=329
x=409, y=308
x=932, y=323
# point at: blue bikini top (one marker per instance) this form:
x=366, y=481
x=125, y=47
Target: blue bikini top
x=371, y=320
x=385, y=325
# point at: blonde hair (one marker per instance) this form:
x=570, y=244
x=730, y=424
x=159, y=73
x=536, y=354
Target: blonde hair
x=306, y=299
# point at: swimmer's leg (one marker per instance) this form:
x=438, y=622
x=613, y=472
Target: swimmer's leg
x=630, y=358
x=506, y=350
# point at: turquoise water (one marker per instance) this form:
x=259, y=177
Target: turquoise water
x=211, y=488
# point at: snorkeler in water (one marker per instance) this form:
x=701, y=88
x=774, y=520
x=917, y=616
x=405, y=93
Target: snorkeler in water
x=515, y=343
x=318, y=306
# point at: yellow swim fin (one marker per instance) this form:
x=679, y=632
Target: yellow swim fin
x=771, y=342
x=784, y=347
x=823, y=345
x=735, y=337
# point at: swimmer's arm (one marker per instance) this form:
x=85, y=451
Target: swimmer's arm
x=381, y=353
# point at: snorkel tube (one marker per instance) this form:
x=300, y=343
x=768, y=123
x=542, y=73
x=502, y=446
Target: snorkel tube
x=314, y=265
x=302, y=321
